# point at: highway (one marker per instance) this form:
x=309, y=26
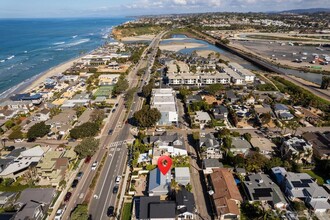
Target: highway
x=116, y=153
x=116, y=160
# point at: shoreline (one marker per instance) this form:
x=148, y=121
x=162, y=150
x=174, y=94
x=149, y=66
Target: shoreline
x=60, y=68
x=30, y=83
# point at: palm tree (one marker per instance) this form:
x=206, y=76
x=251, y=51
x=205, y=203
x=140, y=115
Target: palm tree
x=174, y=187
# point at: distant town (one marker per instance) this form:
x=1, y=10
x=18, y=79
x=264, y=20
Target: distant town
x=239, y=101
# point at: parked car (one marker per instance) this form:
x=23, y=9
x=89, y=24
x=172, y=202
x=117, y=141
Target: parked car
x=59, y=213
x=118, y=178
x=75, y=183
x=71, y=140
x=88, y=159
x=94, y=165
x=111, y=211
x=67, y=196
x=10, y=148
x=79, y=175
x=160, y=129
x=18, y=140
x=113, y=110
x=115, y=189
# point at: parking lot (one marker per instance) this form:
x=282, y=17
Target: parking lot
x=285, y=52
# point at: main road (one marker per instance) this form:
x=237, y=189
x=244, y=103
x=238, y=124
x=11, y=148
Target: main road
x=112, y=145
x=116, y=159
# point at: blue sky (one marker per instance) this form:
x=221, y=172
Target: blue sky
x=112, y=8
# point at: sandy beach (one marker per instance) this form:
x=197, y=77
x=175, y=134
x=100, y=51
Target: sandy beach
x=51, y=72
x=177, y=46
x=138, y=38
x=204, y=53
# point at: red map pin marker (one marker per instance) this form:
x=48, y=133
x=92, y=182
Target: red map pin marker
x=164, y=164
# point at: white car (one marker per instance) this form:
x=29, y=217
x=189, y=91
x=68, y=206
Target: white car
x=94, y=165
x=118, y=178
x=59, y=213
x=18, y=140
x=160, y=129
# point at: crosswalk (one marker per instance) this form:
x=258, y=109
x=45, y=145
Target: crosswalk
x=119, y=143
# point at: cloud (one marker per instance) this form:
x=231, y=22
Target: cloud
x=176, y=4
x=182, y=6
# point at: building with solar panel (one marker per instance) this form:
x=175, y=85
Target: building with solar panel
x=259, y=187
x=301, y=186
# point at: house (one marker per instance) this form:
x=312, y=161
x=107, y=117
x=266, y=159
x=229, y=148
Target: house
x=84, y=117
x=108, y=79
x=225, y=194
x=210, y=164
x=164, y=100
x=231, y=97
x=279, y=174
x=42, y=115
x=20, y=106
x=259, y=187
x=235, y=78
x=35, y=99
x=6, y=197
x=261, y=110
x=298, y=149
x=152, y=207
x=193, y=98
x=182, y=175
x=82, y=99
x=18, y=166
x=185, y=204
x=201, y=118
x=143, y=158
x=211, y=145
x=159, y=184
x=220, y=112
x=8, y=114
x=62, y=122
x=34, y=203
x=171, y=143
x=246, y=74
x=282, y=112
x=320, y=143
x=240, y=146
x=52, y=167
x=250, y=100
x=301, y=186
x=265, y=146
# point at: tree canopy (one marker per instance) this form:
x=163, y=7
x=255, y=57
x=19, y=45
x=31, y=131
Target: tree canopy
x=97, y=116
x=147, y=117
x=214, y=89
x=147, y=89
x=38, y=130
x=80, y=212
x=120, y=86
x=16, y=133
x=265, y=118
x=87, y=147
x=88, y=129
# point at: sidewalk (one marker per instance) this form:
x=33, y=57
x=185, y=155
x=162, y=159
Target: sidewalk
x=68, y=185
x=122, y=192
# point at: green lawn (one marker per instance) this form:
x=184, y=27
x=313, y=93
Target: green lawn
x=103, y=91
x=127, y=211
x=320, y=180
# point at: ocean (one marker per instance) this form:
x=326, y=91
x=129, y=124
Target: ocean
x=29, y=47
